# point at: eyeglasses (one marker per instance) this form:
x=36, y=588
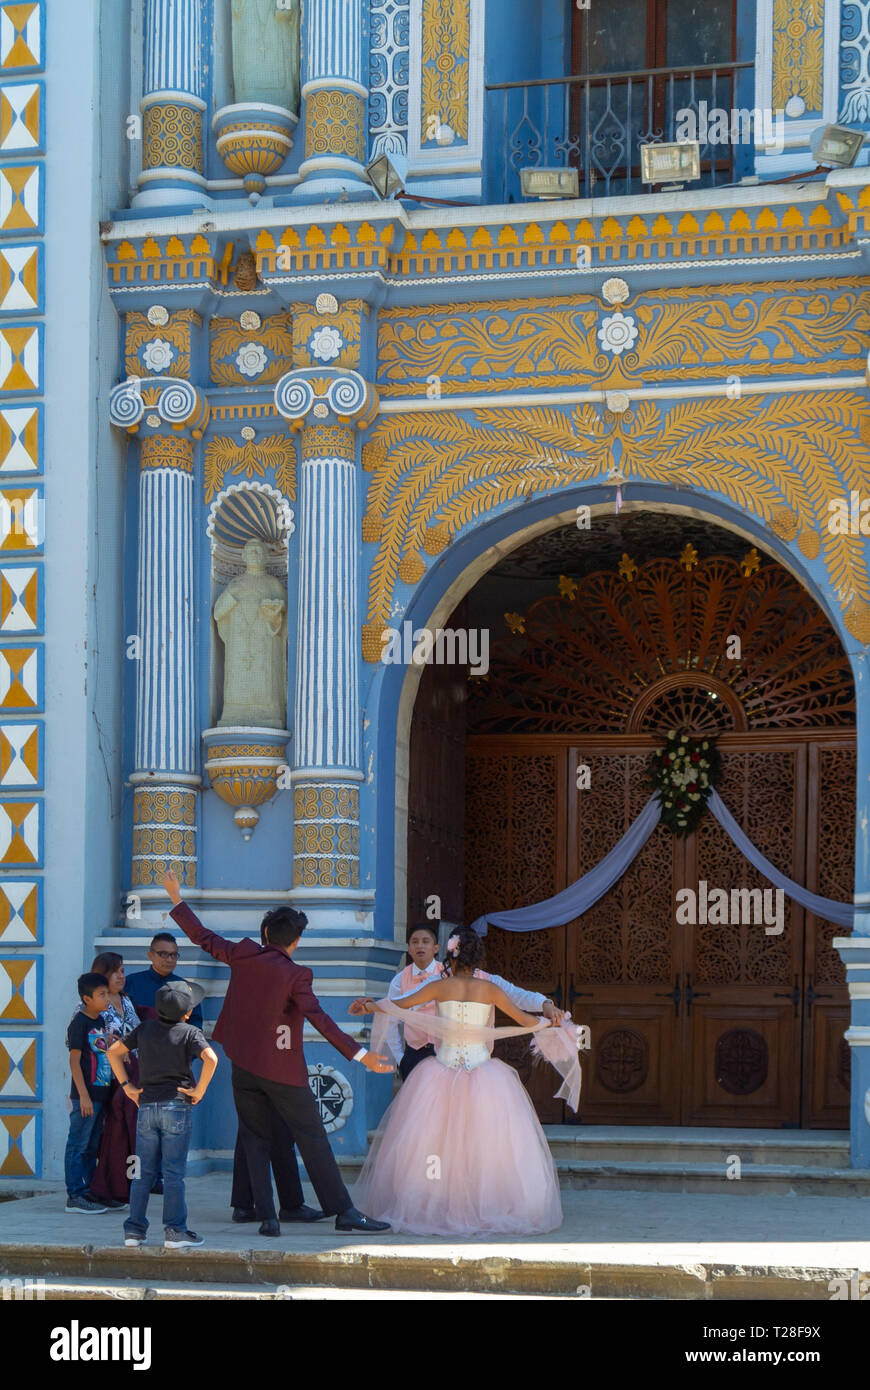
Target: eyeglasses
x=166, y=955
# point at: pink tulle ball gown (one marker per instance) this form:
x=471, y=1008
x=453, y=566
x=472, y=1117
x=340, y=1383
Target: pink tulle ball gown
x=460, y=1152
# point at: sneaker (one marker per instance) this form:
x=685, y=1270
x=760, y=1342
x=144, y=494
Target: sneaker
x=176, y=1239
x=134, y=1240
x=86, y=1204
x=110, y=1203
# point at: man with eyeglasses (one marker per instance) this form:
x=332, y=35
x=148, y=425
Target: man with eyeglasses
x=143, y=986
x=142, y=989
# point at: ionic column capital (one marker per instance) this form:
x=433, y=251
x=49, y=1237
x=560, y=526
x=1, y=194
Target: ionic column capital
x=159, y=401
x=324, y=396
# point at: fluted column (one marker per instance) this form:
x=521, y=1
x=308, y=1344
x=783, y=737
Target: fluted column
x=335, y=98
x=328, y=407
x=172, y=105
x=165, y=776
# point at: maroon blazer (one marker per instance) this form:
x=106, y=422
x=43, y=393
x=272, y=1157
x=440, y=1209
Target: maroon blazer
x=267, y=993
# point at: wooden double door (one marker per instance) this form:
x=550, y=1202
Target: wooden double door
x=691, y=1022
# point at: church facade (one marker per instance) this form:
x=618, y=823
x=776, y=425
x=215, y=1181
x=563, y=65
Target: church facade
x=261, y=428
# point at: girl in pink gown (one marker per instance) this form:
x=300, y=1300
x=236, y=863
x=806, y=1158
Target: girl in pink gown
x=460, y=1152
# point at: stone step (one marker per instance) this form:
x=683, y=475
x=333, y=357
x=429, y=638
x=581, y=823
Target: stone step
x=773, y=1162
x=826, y=1149
x=755, y=1179
x=516, y=1270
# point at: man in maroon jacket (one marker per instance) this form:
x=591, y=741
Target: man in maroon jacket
x=260, y=1028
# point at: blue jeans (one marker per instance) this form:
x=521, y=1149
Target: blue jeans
x=162, y=1135
x=80, y=1158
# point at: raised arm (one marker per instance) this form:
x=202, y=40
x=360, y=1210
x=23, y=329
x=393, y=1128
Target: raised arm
x=217, y=946
x=501, y=1001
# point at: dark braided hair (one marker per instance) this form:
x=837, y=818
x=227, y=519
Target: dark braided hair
x=471, y=952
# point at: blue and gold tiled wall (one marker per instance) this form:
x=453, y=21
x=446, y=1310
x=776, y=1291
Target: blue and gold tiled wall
x=22, y=672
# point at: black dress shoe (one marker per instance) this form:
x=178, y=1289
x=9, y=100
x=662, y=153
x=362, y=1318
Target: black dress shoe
x=353, y=1220
x=300, y=1213
x=244, y=1214
x=269, y=1228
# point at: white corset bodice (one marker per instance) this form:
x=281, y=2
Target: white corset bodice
x=467, y=1055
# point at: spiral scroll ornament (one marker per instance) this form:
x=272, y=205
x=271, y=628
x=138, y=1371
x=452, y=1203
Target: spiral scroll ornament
x=347, y=394
x=126, y=406
x=177, y=403
x=294, y=396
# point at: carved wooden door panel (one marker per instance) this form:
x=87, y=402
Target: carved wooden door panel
x=515, y=855
x=741, y=1016
x=830, y=872
x=623, y=961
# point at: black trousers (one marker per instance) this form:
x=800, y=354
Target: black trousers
x=282, y=1157
x=411, y=1056
x=255, y=1097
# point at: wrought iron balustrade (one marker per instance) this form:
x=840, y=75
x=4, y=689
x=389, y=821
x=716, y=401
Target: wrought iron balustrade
x=597, y=123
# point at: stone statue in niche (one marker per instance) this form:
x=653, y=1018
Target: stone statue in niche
x=266, y=52
x=251, y=617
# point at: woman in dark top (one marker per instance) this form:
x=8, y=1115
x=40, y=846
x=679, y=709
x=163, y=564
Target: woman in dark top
x=111, y=1182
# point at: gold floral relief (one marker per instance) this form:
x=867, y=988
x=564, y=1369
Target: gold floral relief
x=138, y=332
x=226, y=456
x=798, y=51
x=794, y=452
x=338, y=345
x=445, y=68
x=227, y=339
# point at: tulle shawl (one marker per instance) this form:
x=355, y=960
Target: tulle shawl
x=558, y=1046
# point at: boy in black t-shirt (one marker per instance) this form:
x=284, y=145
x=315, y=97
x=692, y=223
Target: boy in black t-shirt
x=89, y=1091
x=167, y=1046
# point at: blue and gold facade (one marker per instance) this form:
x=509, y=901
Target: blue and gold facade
x=386, y=394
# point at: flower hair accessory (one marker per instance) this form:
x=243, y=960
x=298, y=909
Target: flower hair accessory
x=453, y=946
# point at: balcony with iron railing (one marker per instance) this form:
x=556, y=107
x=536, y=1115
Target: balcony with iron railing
x=597, y=123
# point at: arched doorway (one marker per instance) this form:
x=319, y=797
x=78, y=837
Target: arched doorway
x=522, y=779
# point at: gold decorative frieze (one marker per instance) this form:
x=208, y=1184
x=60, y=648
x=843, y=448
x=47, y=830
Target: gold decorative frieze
x=166, y=451
x=328, y=441
x=334, y=124
x=772, y=328
x=227, y=456
x=444, y=71
x=789, y=451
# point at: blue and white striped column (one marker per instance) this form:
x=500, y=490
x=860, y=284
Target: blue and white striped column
x=335, y=97
x=166, y=754
x=172, y=106
x=327, y=736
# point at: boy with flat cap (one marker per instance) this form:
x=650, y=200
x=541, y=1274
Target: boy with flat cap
x=167, y=1046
